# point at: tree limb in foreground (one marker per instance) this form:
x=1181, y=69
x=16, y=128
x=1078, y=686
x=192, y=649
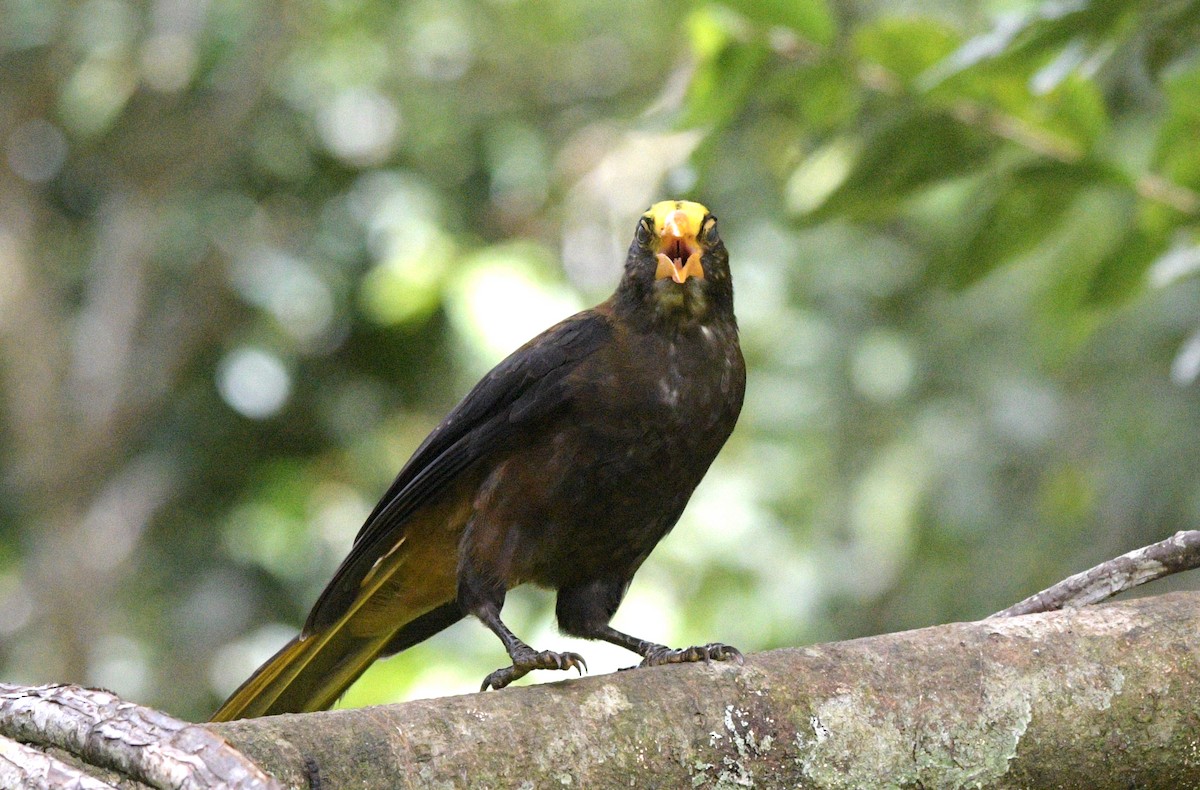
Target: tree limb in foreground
x=1101, y=697
x=25, y=766
x=1180, y=552
x=946, y=740
x=107, y=731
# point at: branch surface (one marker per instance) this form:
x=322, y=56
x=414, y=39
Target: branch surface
x=1102, y=697
x=107, y=731
x=25, y=766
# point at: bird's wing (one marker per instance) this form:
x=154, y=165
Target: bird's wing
x=526, y=387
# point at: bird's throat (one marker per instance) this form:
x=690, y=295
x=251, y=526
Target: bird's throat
x=680, y=303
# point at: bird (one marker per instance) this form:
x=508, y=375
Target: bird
x=563, y=467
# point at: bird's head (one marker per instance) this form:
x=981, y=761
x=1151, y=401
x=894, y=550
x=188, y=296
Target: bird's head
x=677, y=266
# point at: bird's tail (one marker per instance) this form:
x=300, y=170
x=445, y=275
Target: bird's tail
x=313, y=670
x=308, y=674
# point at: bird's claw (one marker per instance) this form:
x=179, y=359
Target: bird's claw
x=524, y=663
x=714, y=651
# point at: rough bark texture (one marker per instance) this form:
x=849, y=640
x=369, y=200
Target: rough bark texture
x=1100, y=697
x=107, y=731
x=27, y=767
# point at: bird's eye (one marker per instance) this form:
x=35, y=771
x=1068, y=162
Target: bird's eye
x=645, y=232
x=710, y=231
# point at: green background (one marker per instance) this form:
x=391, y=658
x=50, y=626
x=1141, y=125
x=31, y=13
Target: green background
x=251, y=252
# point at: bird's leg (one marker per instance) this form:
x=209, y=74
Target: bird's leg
x=481, y=594
x=654, y=654
x=585, y=611
x=524, y=658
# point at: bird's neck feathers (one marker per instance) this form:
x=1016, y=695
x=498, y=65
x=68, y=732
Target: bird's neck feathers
x=667, y=306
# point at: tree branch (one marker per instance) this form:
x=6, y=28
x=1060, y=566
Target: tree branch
x=25, y=766
x=1016, y=700
x=107, y=731
x=1098, y=697
x=1180, y=552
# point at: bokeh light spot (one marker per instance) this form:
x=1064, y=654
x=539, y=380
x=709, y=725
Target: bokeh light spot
x=360, y=126
x=503, y=299
x=254, y=383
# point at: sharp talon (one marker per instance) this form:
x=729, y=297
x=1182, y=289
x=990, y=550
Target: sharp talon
x=723, y=652
x=499, y=679
x=524, y=663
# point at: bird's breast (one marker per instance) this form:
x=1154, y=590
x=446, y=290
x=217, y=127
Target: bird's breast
x=696, y=379
x=592, y=493
x=647, y=436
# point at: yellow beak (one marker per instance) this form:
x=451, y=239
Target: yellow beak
x=679, y=252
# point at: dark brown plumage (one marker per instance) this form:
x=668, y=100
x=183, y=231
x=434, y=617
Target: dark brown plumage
x=563, y=467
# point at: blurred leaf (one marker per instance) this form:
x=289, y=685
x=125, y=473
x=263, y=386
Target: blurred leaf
x=824, y=95
x=1174, y=37
x=903, y=153
x=812, y=19
x=1065, y=114
x=1015, y=212
x=1074, y=109
x=905, y=46
x=722, y=84
x=1178, y=151
x=1120, y=275
x=1097, y=222
x=819, y=175
x=1032, y=36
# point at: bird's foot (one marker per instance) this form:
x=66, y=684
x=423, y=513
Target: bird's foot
x=716, y=651
x=525, y=662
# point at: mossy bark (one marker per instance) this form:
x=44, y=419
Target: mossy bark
x=1101, y=697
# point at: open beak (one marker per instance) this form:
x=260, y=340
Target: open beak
x=679, y=252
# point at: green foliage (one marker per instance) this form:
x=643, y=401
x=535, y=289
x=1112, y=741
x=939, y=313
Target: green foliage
x=907, y=47
x=811, y=19
x=251, y=253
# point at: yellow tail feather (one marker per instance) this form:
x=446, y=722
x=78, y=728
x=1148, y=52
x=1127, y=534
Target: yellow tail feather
x=313, y=670
x=306, y=675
